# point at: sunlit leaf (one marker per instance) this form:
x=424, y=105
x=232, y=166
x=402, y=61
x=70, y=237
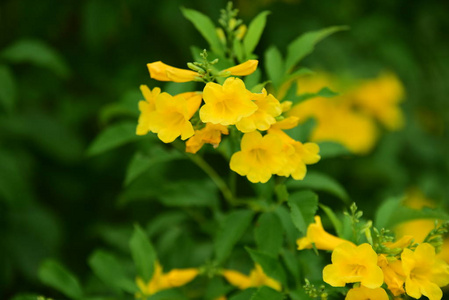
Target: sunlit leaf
x=274, y=65
x=254, y=33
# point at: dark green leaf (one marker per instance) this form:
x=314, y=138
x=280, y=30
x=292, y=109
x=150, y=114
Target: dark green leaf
x=206, y=27
x=292, y=264
x=332, y=149
x=335, y=221
x=274, y=65
x=8, y=89
x=324, y=92
x=243, y=295
x=320, y=182
x=37, y=53
x=267, y=293
x=231, y=229
x=143, y=253
x=254, y=33
x=111, y=271
x=112, y=137
x=58, y=277
x=126, y=107
x=194, y=192
x=303, y=131
x=304, y=44
x=289, y=228
x=269, y=233
x=270, y=265
x=303, y=206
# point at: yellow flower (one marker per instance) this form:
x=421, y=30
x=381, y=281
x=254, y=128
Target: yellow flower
x=380, y=98
x=226, y=104
x=211, y=134
x=394, y=275
x=268, y=108
x=171, y=116
x=318, y=236
x=243, y=69
x=259, y=158
x=146, y=108
x=364, y=293
x=297, y=155
x=256, y=278
x=352, y=263
x=425, y=273
x=161, y=281
x=162, y=72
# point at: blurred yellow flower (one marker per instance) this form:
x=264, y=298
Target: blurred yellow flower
x=256, y=278
x=259, y=158
x=243, y=69
x=226, y=104
x=161, y=281
x=268, y=108
x=318, y=236
x=146, y=108
x=210, y=134
x=163, y=72
x=364, y=293
x=352, y=263
x=425, y=273
x=394, y=275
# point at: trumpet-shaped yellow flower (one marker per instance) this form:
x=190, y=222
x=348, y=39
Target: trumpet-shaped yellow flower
x=161, y=281
x=171, y=116
x=297, y=155
x=268, y=108
x=226, y=104
x=259, y=158
x=380, y=98
x=146, y=108
x=352, y=263
x=256, y=278
x=394, y=275
x=318, y=236
x=211, y=134
x=243, y=69
x=364, y=293
x=425, y=273
x=163, y=72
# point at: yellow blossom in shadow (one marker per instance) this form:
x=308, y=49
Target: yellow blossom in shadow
x=171, y=116
x=256, y=278
x=318, y=236
x=352, y=263
x=380, y=98
x=364, y=293
x=259, y=158
x=297, y=155
x=210, y=134
x=146, y=108
x=268, y=108
x=394, y=275
x=424, y=272
x=243, y=69
x=162, y=281
x=163, y=72
x=226, y=104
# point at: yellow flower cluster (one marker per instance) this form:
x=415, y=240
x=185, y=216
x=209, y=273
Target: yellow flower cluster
x=350, y=119
x=416, y=271
x=216, y=108
x=256, y=278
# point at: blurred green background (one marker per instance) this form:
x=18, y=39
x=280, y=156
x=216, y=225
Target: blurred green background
x=68, y=69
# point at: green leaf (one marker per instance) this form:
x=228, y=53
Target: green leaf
x=252, y=80
x=243, y=295
x=270, y=265
x=53, y=274
x=231, y=230
x=140, y=162
x=289, y=228
x=8, y=89
x=111, y=272
x=143, y=253
x=254, y=32
x=239, y=51
x=303, y=131
x=325, y=92
x=292, y=264
x=112, y=137
x=320, y=182
x=335, y=221
x=303, y=206
x=274, y=65
x=126, y=107
x=193, y=192
x=305, y=44
x=37, y=53
x=206, y=27
x=269, y=233
x=392, y=213
x=267, y=293
x=332, y=149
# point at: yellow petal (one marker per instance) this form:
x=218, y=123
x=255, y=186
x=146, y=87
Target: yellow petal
x=243, y=69
x=180, y=277
x=332, y=276
x=237, y=279
x=163, y=72
x=362, y=293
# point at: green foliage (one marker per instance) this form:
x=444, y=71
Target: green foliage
x=266, y=293
x=58, y=277
x=254, y=33
x=303, y=206
x=274, y=65
x=268, y=233
x=270, y=265
x=143, y=253
x=8, y=89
